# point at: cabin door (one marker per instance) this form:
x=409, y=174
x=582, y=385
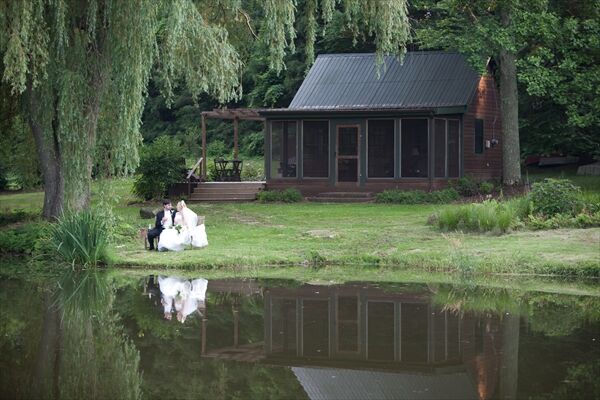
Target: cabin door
x=347, y=153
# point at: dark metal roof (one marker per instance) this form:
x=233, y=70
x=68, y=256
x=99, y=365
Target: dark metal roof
x=335, y=383
x=425, y=80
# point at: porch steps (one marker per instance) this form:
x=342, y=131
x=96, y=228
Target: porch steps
x=342, y=197
x=227, y=191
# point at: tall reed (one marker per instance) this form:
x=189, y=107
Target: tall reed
x=80, y=239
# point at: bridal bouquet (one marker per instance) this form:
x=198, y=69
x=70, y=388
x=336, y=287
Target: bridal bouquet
x=177, y=228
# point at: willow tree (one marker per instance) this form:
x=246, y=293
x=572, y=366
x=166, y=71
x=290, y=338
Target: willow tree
x=80, y=69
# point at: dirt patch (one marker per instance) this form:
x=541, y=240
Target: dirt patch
x=321, y=233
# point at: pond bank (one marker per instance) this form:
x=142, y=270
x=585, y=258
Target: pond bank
x=346, y=237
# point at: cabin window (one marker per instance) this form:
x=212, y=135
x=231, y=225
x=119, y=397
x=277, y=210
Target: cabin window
x=414, y=148
x=380, y=148
x=283, y=149
x=446, y=148
x=315, y=146
x=478, y=136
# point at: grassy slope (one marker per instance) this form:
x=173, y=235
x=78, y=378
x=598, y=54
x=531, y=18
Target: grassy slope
x=392, y=236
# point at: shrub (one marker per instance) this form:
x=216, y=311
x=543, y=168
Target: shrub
x=161, y=165
x=417, y=196
x=557, y=221
x=286, y=196
x=486, y=187
x=216, y=149
x=253, y=143
x=21, y=240
x=253, y=171
x=465, y=186
x=555, y=196
x=18, y=215
x=80, y=239
x=591, y=202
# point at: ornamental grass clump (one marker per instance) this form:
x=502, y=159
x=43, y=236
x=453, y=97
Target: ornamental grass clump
x=489, y=216
x=80, y=239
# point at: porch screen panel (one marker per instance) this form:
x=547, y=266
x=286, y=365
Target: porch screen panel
x=381, y=149
x=283, y=326
x=414, y=328
x=439, y=161
x=380, y=330
x=453, y=148
x=414, y=148
x=316, y=149
x=315, y=318
x=283, y=149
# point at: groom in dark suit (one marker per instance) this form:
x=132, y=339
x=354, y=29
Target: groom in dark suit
x=162, y=219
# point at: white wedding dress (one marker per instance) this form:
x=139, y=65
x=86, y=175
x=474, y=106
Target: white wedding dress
x=171, y=239
x=190, y=233
x=172, y=289
x=194, y=299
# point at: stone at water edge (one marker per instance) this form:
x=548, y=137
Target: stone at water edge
x=146, y=213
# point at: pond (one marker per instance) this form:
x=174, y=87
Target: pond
x=98, y=335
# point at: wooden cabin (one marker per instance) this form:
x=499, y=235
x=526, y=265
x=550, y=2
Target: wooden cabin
x=411, y=125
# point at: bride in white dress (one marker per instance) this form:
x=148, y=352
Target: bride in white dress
x=172, y=290
x=188, y=233
x=193, y=300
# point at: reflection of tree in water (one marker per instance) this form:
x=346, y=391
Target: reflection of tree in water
x=543, y=351
x=20, y=329
x=90, y=358
x=550, y=313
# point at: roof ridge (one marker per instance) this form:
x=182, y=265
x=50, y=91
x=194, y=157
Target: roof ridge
x=417, y=52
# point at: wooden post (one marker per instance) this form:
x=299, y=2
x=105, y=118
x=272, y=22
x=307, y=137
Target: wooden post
x=203, y=345
x=203, y=147
x=235, y=138
x=236, y=321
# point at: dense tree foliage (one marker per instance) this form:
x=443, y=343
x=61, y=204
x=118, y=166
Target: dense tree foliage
x=81, y=69
x=549, y=47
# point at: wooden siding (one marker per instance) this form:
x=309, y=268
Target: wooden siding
x=484, y=105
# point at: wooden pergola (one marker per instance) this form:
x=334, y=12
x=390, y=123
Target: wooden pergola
x=235, y=114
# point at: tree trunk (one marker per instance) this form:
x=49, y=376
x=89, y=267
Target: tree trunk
x=509, y=108
x=49, y=155
x=509, y=359
x=43, y=378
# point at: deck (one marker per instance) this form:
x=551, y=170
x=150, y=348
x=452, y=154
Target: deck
x=226, y=191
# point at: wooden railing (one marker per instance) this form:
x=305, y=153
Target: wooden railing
x=197, y=167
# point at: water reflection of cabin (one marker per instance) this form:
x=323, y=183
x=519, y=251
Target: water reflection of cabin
x=367, y=324
x=425, y=121
x=372, y=339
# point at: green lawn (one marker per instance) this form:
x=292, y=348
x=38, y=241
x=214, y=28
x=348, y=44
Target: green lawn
x=392, y=237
